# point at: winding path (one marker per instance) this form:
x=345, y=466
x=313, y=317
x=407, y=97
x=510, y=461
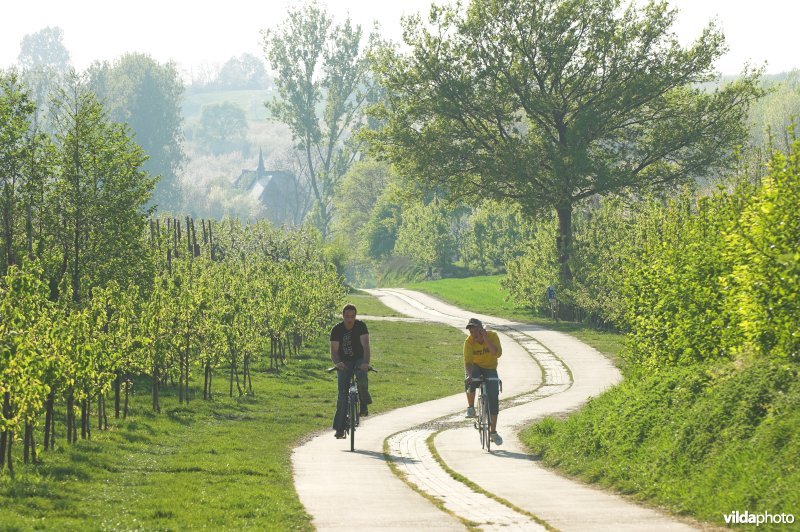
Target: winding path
x=544, y=373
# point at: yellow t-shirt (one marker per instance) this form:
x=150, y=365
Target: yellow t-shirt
x=479, y=355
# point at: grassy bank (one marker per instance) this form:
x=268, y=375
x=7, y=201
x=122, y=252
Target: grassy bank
x=219, y=464
x=702, y=441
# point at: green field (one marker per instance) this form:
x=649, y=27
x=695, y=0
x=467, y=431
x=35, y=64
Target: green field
x=485, y=295
x=225, y=463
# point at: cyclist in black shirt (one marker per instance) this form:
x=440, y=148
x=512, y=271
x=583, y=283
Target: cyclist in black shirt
x=350, y=352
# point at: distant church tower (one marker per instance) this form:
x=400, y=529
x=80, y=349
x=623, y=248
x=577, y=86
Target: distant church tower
x=260, y=171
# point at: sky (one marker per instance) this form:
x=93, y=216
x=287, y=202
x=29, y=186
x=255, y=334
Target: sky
x=198, y=36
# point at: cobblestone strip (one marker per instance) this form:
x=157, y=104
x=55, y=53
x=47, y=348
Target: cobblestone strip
x=556, y=377
x=412, y=457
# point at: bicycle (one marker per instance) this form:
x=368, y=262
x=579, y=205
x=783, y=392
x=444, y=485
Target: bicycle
x=483, y=421
x=353, y=412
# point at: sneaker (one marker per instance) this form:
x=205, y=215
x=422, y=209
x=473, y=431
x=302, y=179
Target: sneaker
x=496, y=439
x=364, y=412
x=470, y=411
x=340, y=435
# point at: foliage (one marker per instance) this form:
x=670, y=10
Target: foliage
x=548, y=103
x=44, y=49
x=707, y=418
x=145, y=95
x=536, y=268
x=381, y=229
x=244, y=72
x=425, y=235
x=773, y=114
x=493, y=235
x=362, y=186
x=322, y=82
x=18, y=179
x=99, y=194
x=676, y=303
x=222, y=129
x=764, y=281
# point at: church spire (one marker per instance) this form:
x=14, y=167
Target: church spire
x=260, y=171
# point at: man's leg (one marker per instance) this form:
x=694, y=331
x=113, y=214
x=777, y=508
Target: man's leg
x=362, y=381
x=343, y=385
x=493, y=389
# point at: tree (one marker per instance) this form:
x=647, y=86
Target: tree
x=223, y=128
x=16, y=109
x=549, y=102
x=320, y=67
x=146, y=95
x=99, y=194
x=425, y=235
x=45, y=63
x=359, y=192
x=44, y=48
x=244, y=72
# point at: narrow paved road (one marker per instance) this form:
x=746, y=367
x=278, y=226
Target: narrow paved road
x=544, y=373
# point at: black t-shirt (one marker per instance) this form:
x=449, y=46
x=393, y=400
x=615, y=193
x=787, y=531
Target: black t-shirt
x=350, y=347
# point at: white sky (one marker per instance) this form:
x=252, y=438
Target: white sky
x=194, y=35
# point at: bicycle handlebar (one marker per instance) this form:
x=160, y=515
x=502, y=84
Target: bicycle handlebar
x=335, y=368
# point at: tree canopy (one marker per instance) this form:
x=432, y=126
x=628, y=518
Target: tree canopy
x=322, y=83
x=549, y=102
x=146, y=95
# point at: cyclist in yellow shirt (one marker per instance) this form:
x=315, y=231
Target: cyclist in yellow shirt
x=481, y=350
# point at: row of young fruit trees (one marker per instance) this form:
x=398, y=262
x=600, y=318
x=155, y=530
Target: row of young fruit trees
x=220, y=298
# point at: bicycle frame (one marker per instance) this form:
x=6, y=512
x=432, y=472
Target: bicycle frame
x=353, y=412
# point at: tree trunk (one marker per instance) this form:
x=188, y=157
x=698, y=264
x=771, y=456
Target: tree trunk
x=117, y=385
x=48, y=420
x=9, y=444
x=70, y=417
x=127, y=395
x=156, y=406
x=84, y=419
x=564, y=240
x=34, y=458
x=5, y=436
x=29, y=446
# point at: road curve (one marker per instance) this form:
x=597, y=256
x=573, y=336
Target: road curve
x=544, y=373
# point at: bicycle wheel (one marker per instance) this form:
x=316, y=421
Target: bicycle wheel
x=353, y=422
x=488, y=428
x=481, y=422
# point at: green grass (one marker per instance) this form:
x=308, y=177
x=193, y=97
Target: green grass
x=369, y=306
x=485, y=295
x=220, y=464
x=701, y=441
